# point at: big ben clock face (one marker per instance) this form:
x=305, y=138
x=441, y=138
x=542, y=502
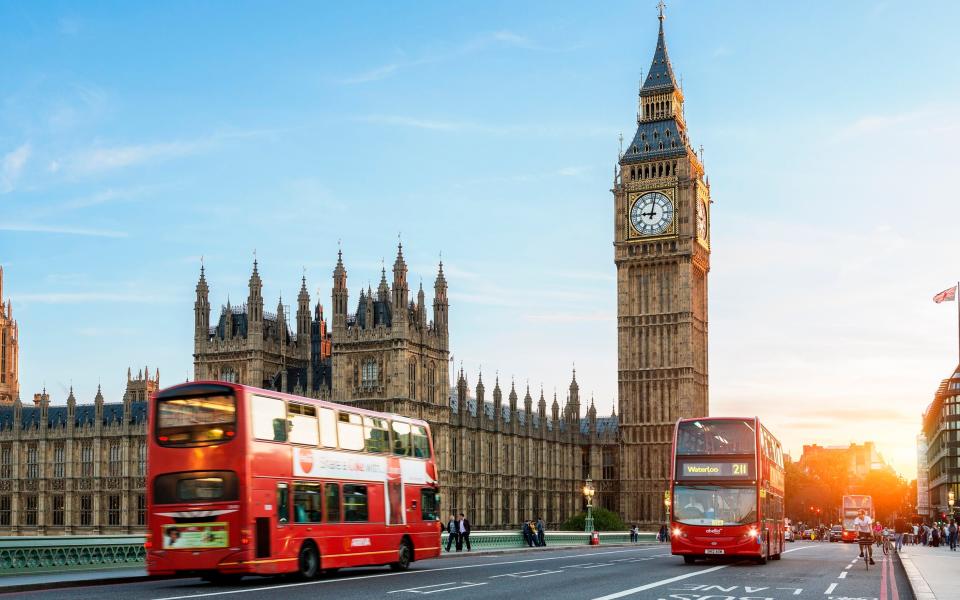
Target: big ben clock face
x=702, y=220
x=651, y=214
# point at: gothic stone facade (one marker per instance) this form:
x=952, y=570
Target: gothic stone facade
x=499, y=463
x=662, y=254
x=75, y=469
x=9, y=348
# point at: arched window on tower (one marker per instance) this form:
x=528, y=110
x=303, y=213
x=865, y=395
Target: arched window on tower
x=370, y=374
x=432, y=383
x=412, y=378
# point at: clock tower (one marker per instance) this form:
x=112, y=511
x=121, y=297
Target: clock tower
x=662, y=252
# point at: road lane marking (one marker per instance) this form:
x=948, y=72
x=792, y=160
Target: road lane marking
x=423, y=589
x=393, y=574
x=848, y=567
x=659, y=583
x=843, y=575
x=830, y=589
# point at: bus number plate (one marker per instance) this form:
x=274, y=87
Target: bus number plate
x=713, y=551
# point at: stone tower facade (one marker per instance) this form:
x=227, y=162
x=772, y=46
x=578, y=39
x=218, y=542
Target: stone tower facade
x=250, y=346
x=9, y=351
x=388, y=355
x=662, y=255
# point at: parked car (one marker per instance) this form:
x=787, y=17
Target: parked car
x=836, y=533
x=788, y=535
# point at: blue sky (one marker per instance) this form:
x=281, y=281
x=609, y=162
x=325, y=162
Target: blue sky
x=135, y=138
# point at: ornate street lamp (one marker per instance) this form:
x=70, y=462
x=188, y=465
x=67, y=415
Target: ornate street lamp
x=951, y=500
x=588, y=492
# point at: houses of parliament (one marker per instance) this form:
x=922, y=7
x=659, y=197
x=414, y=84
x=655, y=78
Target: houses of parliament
x=506, y=453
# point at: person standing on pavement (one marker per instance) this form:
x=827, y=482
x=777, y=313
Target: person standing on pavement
x=952, y=533
x=464, y=531
x=453, y=532
x=541, y=541
x=527, y=534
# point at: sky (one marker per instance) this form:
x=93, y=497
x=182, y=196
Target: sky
x=137, y=137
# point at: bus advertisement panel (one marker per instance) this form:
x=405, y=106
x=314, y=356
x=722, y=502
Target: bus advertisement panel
x=727, y=488
x=249, y=481
x=850, y=507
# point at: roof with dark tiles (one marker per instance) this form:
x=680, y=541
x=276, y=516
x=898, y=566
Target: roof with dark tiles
x=84, y=414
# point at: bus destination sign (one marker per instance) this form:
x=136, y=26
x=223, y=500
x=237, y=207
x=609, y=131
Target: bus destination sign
x=698, y=469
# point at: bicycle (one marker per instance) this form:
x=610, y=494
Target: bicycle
x=887, y=546
x=866, y=544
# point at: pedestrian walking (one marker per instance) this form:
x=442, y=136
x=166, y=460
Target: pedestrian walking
x=464, y=532
x=453, y=532
x=540, y=533
x=527, y=533
x=952, y=532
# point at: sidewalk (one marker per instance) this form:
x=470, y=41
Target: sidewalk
x=932, y=572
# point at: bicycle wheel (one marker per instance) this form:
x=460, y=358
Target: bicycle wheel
x=886, y=549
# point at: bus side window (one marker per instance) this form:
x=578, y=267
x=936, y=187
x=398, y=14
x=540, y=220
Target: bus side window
x=332, y=502
x=401, y=439
x=355, y=503
x=429, y=505
x=376, y=436
x=303, y=424
x=328, y=428
x=306, y=502
x=350, y=431
x=421, y=444
x=269, y=419
x=283, y=503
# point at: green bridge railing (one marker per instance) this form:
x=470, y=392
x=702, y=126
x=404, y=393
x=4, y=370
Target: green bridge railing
x=500, y=540
x=46, y=554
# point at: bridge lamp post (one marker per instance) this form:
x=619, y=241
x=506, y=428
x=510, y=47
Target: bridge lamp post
x=588, y=492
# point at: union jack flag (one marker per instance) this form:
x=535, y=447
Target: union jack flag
x=948, y=295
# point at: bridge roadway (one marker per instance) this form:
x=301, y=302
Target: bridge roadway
x=808, y=570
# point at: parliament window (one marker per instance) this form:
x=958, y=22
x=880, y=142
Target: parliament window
x=116, y=465
x=370, y=374
x=59, y=468
x=29, y=502
x=6, y=503
x=85, y=510
x=33, y=464
x=6, y=462
x=86, y=459
x=56, y=509
x=412, y=378
x=113, y=509
x=431, y=383
x=142, y=459
x=141, y=509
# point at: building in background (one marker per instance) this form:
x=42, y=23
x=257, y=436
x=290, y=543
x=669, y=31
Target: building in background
x=502, y=459
x=9, y=351
x=941, y=428
x=662, y=254
x=923, y=479
x=75, y=469
x=859, y=459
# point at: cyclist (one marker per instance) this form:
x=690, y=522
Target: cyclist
x=863, y=525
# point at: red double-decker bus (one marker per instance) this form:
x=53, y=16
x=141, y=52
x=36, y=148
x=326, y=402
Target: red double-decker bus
x=851, y=505
x=249, y=481
x=726, y=490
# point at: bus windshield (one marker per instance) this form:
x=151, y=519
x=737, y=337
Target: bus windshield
x=196, y=420
x=714, y=505
x=716, y=437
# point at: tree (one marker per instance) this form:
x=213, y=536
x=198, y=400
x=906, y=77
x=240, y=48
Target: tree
x=603, y=520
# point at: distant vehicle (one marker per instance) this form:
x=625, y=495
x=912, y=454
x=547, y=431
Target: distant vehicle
x=808, y=534
x=727, y=490
x=851, y=506
x=836, y=533
x=788, y=531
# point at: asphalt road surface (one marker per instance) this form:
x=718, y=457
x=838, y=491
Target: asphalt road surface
x=808, y=570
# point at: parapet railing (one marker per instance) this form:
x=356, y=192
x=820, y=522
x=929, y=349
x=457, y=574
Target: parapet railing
x=502, y=540
x=22, y=555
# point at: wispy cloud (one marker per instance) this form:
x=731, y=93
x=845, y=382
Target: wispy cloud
x=11, y=165
x=63, y=230
x=569, y=317
x=503, y=38
x=463, y=126
x=85, y=297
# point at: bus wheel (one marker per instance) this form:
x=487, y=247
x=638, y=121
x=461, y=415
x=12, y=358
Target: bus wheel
x=404, y=556
x=308, y=561
x=689, y=559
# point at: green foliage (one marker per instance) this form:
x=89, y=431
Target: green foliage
x=603, y=520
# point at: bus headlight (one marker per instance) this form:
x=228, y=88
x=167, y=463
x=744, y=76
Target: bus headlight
x=753, y=532
x=677, y=532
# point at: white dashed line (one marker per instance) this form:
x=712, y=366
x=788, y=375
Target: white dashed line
x=843, y=575
x=830, y=589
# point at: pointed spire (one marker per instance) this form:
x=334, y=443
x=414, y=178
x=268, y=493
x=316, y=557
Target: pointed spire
x=660, y=77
